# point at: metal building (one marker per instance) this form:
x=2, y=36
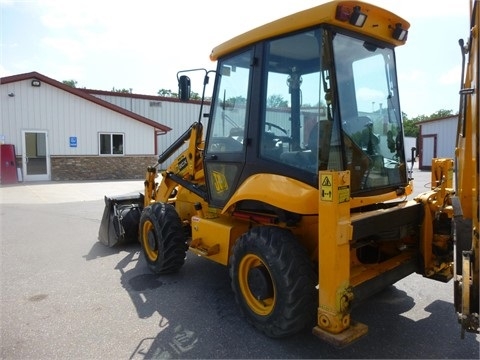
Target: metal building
x=65, y=133
x=437, y=138
x=169, y=111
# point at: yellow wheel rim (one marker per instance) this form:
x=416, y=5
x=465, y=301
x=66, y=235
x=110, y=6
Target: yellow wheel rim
x=261, y=307
x=148, y=240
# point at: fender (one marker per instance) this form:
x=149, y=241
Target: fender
x=277, y=190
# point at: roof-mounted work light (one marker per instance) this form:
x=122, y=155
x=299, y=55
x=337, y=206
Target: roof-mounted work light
x=358, y=18
x=399, y=33
x=354, y=16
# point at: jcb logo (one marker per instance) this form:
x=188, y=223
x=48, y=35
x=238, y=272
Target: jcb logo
x=220, y=182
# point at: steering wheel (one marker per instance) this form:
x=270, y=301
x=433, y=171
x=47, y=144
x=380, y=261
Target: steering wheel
x=269, y=124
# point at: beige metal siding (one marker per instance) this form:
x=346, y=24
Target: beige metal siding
x=64, y=115
x=176, y=115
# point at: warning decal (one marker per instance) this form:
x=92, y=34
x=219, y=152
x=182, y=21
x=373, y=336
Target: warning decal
x=343, y=194
x=327, y=188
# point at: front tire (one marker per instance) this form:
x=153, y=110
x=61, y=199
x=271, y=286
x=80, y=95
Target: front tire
x=273, y=281
x=162, y=238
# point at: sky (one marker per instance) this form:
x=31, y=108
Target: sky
x=142, y=44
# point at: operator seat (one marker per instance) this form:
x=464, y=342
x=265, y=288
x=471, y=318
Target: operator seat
x=304, y=159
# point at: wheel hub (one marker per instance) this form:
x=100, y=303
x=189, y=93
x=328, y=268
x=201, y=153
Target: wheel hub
x=151, y=240
x=260, y=283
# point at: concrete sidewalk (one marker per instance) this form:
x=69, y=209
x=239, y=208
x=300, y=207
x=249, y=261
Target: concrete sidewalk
x=54, y=192
x=421, y=182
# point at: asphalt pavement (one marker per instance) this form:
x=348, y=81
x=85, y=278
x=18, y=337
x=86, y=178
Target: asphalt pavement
x=65, y=296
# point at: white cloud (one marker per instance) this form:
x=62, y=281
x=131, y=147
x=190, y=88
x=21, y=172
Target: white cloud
x=70, y=72
x=72, y=49
x=412, y=76
x=452, y=76
x=6, y=2
x=142, y=43
x=425, y=8
x=63, y=14
x=4, y=72
x=368, y=94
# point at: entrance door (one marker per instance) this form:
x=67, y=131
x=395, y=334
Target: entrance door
x=35, y=156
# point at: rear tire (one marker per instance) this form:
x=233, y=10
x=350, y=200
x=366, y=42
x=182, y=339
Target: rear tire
x=162, y=238
x=274, y=281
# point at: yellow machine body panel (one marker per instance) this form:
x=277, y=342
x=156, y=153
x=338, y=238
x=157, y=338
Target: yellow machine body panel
x=277, y=190
x=214, y=237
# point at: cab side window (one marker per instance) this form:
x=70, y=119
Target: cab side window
x=230, y=113
x=225, y=143
x=294, y=103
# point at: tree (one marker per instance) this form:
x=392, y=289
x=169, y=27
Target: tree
x=123, y=91
x=410, y=126
x=441, y=114
x=167, y=93
x=72, y=83
x=234, y=102
x=195, y=96
x=276, y=101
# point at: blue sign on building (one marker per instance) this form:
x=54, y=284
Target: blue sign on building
x=73, y=141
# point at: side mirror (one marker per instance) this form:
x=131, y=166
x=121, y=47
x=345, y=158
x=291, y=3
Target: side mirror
x=184, y=88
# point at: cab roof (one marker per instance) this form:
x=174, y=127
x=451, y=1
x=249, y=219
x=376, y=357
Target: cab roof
x=379, y=24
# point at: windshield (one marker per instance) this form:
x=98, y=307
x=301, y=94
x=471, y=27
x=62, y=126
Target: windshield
x=370, y=113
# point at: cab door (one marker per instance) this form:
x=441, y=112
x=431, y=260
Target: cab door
x=226, y=140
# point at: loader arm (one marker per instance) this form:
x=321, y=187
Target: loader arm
x=186, y=170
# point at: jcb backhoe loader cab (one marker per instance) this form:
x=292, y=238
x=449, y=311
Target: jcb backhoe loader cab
x=300, y=184
x=291, y=106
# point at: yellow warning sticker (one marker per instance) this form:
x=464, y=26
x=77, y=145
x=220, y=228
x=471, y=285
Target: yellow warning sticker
x=326, y=188
x=343, y=194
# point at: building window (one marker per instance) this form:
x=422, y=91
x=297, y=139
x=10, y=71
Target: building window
x=111, y=144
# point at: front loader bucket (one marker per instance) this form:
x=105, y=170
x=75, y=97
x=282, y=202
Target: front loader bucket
x=120, y=220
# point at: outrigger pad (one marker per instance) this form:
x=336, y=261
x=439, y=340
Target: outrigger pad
x=120, y=220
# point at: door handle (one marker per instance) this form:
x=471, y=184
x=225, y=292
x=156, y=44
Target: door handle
x=213, y=157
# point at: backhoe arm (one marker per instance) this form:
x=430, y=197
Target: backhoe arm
x=466, y=286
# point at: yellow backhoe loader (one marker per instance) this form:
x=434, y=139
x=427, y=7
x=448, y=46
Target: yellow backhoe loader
x=300, y=183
